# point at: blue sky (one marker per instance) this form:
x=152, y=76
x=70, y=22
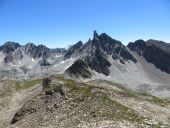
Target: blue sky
x=58, y=23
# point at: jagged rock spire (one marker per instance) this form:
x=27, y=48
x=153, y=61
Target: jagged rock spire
x=95, y=34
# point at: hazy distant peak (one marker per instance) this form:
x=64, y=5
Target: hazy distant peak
x=9, y=47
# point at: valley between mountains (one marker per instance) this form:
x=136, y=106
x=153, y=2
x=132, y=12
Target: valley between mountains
x=98, y=84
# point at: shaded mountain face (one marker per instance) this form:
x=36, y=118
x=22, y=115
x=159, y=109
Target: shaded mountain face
x=95, y=52
x=11, y=58
x=9, y=47
x=79, y=68
x=160, y=44
x=155, y=52
x=73, y=49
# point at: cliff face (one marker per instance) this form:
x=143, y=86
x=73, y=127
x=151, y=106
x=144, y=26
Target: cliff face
x=154, y=52
x=95, y=53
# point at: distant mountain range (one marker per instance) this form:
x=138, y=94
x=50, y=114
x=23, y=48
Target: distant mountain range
x=139, y=63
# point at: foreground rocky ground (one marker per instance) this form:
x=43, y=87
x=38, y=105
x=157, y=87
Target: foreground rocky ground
x=65, y=103
x=13, y=94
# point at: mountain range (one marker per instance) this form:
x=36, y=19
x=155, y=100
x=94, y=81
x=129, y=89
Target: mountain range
x=136, y=65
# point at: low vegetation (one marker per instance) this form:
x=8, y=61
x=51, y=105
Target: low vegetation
x=108, y=108
x=87, y=102
x=27, y=84
x=8, y=87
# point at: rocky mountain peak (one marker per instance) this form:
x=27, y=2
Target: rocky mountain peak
x=95, y=34
x=139, y=43
x=30, y=45
x=95, y=53
x=104, y=36
x=9, y=47
x=30, y=50
x=137, y=46
x=102, y=42
x=160, y=44
x=154, y=52
x=35, y=51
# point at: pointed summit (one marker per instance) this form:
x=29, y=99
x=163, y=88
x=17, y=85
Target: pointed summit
x=95, y=34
